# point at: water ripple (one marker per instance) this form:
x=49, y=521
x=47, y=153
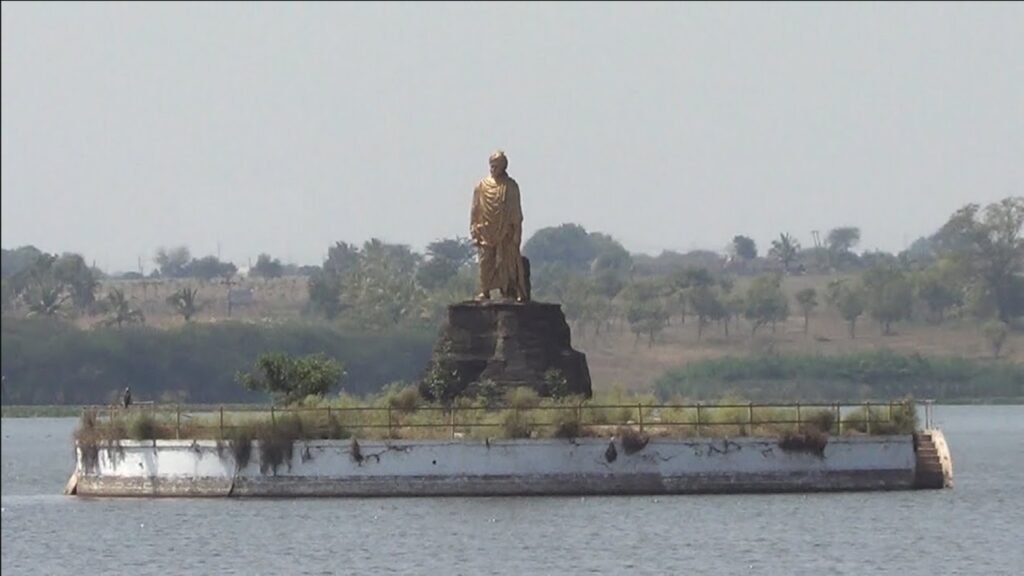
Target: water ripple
x=972, y=529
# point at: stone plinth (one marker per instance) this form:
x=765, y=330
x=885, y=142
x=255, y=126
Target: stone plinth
x=512, y=344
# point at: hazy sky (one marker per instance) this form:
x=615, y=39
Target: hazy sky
x=287, y=127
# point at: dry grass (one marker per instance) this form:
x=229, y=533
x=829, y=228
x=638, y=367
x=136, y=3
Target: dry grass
x=604, y=416
x=615, y=358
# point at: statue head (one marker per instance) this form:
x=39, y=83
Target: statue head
x=499, y=163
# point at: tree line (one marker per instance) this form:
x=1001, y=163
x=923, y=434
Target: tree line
x=971, y=267
x=375, y=307
x=49, y=361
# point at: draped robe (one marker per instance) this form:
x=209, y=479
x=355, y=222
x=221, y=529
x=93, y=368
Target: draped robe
x=496, y=226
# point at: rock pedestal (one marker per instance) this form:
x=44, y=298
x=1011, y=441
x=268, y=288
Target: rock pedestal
x=512, y=344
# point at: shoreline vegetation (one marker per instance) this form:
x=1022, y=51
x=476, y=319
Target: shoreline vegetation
x=862, y=375
x=51, y=362
x=850, y=378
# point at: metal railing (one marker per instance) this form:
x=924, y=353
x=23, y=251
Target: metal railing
x=929, y=420
x=176, y=421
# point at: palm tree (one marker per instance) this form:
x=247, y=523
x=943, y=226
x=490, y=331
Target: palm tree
x=185, y=303
x=121, y=311
x=48, y=301
x=785, y=250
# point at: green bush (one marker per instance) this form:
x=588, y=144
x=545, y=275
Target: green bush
x=610, y=414
x=487, y=392
x=522, y=398
x=143, y=426
x=292, y=380
x=567, y=425
x=442, y=382
x=903, y=421
x=404, y=400
x=555, y=384
x=516, y=424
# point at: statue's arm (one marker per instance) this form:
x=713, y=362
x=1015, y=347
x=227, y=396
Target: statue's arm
x=474, y=215
x=516, y=213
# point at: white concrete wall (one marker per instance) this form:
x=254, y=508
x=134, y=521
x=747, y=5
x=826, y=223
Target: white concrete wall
x=676, y=465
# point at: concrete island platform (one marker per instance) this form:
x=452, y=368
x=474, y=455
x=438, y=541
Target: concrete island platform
x=512, y=467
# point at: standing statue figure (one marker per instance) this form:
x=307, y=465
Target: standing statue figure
x=496, y=229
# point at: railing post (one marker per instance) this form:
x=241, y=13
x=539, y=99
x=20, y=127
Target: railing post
x=640, y=414
x=451, y=420
x=328, y=418
x=799, y=420
x=867, y=410
x=389, y=420
x=698, y=418
x=177, y=421
x=839, y=420
x=222, y=421
x=579, y=413
x=273, y=420
x=750, y=417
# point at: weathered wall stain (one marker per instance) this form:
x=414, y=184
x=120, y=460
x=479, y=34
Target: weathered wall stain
x=727, y=446
x=586, y=466
x=610, y=454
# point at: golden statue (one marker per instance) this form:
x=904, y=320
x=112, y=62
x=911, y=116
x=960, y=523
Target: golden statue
x=496, y=229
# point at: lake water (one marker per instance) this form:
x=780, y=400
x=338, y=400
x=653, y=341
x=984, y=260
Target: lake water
x=975, y=528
